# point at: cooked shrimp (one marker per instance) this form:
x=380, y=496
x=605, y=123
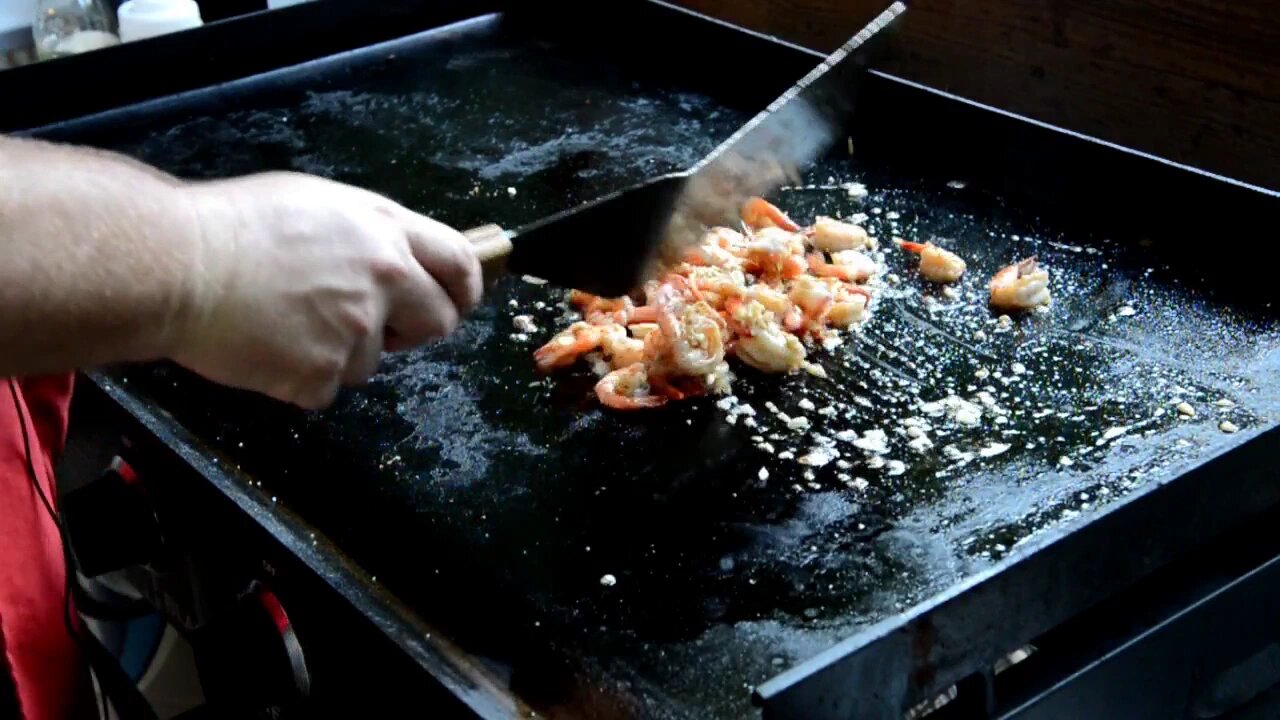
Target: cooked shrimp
x=720, y=380
x=812, y=296
x=751, y=315
x=936, y=264
x=854, y=271
x=594, y=303
x=760, y=213
x=860, y=266
x=777, y=240
x=642, y=314
x=583, y=299
x=697, y=343
x=1020, y=286
x=793, y=320
x=832, y=235
x=568, y=345
x=849, y=305
x=678, y=387
x=628, y=389
x=728, y=240
x=641, y=330
x=602, y=311
x=775, y=301
x=775, y=254
x=621, y=349
x=777, y=266
x=715, y=285
x=772, y=350
x=710, y=255
x=657, y=349
x=752, y=295
x=732, y=308
x=621, y=316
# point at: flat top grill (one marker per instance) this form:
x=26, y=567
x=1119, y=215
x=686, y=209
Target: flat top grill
x=471, y=486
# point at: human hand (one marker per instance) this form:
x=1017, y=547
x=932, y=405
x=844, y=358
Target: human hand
x=303, y=282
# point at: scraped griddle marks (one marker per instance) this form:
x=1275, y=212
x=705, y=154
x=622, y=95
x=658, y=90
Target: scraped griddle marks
x=944, y=335
x=872, y=349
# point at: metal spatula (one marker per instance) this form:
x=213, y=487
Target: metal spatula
x=606, y=246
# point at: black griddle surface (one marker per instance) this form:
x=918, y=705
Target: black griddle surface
x=489, y=496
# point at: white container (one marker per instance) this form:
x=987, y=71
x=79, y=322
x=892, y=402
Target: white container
x=142, y=19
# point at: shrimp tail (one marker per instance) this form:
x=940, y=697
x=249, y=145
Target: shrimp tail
x=665, y=389
x=644, y=314
x=548, y=358
x=676, y=388
x=758, y=211
x=634, y=376
x=621, y=402
x=820, y=267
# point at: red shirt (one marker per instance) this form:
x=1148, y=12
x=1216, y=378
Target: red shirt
x=43, y=664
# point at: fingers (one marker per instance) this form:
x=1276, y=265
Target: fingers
x=448, y=256
x=421, y=309
x=443, y=285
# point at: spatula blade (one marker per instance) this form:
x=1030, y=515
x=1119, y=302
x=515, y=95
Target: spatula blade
x=609, y=246
x=604, y=247
x=781, y=142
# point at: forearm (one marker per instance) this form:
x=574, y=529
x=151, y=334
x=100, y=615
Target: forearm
x=97, y=255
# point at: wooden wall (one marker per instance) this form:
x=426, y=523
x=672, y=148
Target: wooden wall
x=1194, y=81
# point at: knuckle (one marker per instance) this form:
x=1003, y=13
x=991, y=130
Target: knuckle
x=460, y=259
x=389, y=270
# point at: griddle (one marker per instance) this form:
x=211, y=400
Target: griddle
x=664, y=215
x=491, y=501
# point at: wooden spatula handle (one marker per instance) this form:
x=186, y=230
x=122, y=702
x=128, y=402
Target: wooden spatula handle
x=493, y=246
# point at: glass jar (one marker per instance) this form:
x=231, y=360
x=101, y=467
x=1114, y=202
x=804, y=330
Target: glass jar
x=69, y=27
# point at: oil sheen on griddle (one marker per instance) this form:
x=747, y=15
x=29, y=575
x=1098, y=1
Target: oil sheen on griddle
x=940, y=441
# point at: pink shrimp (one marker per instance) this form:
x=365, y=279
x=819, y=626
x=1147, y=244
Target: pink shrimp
x=1020, y=286
x=568, y=345
x=774, y=264
x=849, y=272
x=760, y=213
x=643, y=314
x=936, y=264
x=628, y=389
